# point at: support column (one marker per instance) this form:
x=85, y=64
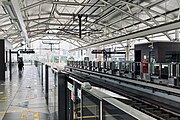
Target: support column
x=80, y=16
x=2, y=60
x=10, y=65
x=81, y=54
x=46, y=83
x=127, y=50
x=6, y=57
x=42, y=74
x=62, y=98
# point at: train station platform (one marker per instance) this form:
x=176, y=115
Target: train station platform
x=22, y=97
x=44, y=91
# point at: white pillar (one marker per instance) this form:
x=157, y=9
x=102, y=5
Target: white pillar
x=127, y=50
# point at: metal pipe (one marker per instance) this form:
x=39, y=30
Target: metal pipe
x=79, y=16
x=10, y=65
x=76, y=4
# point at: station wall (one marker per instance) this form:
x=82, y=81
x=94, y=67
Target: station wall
x=4, y=59
x=162, y=52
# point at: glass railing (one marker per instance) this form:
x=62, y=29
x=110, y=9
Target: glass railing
x=49, y=81
x=101, y=104
x=69, y=98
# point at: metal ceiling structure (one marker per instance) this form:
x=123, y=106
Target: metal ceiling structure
x=90, y=23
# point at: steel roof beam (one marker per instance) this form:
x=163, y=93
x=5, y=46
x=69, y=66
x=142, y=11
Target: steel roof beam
x=76, y=30
x=37, y=24
x=129, y=14
x=157, y=23
x=14, y=11
x=63, y=40
x=59, y=35
x=28, y=7
x=150, y=31
x=73, y=15
x=5, y=25
x=45, y=18
x=169, y=12
x=68, y=22
x=89, y=8
x=138, y=11
x=104, y=14
x=51, y=24
x=76, y=4
x=34, y=5
x=147, y=12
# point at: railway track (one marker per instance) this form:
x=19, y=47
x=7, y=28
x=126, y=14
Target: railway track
x=146, y=105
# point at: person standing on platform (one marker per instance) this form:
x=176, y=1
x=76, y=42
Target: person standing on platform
x=20, y=63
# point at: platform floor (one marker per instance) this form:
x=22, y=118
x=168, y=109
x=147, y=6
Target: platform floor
x=22, y=97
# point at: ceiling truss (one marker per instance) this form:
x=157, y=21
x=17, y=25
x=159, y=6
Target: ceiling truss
x=101, y=21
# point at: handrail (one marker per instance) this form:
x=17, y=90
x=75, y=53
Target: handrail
x=97, y=92
x=55, y=70
x=128, y=109
x=103, y=96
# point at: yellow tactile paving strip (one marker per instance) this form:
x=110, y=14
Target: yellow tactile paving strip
x=19, y=101
x=24, y=113
x=36, y=116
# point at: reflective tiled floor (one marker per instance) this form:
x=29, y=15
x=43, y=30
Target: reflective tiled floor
x=22, y=97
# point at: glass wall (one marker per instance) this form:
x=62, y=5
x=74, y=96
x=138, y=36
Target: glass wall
x=70, y=98
x=77, y=105
x=73, y=100
x=80, y=101
x=110, y=112
x=90, y=107
x=53, y=93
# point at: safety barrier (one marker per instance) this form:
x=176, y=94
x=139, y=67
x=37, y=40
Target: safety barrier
x=73, y=99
